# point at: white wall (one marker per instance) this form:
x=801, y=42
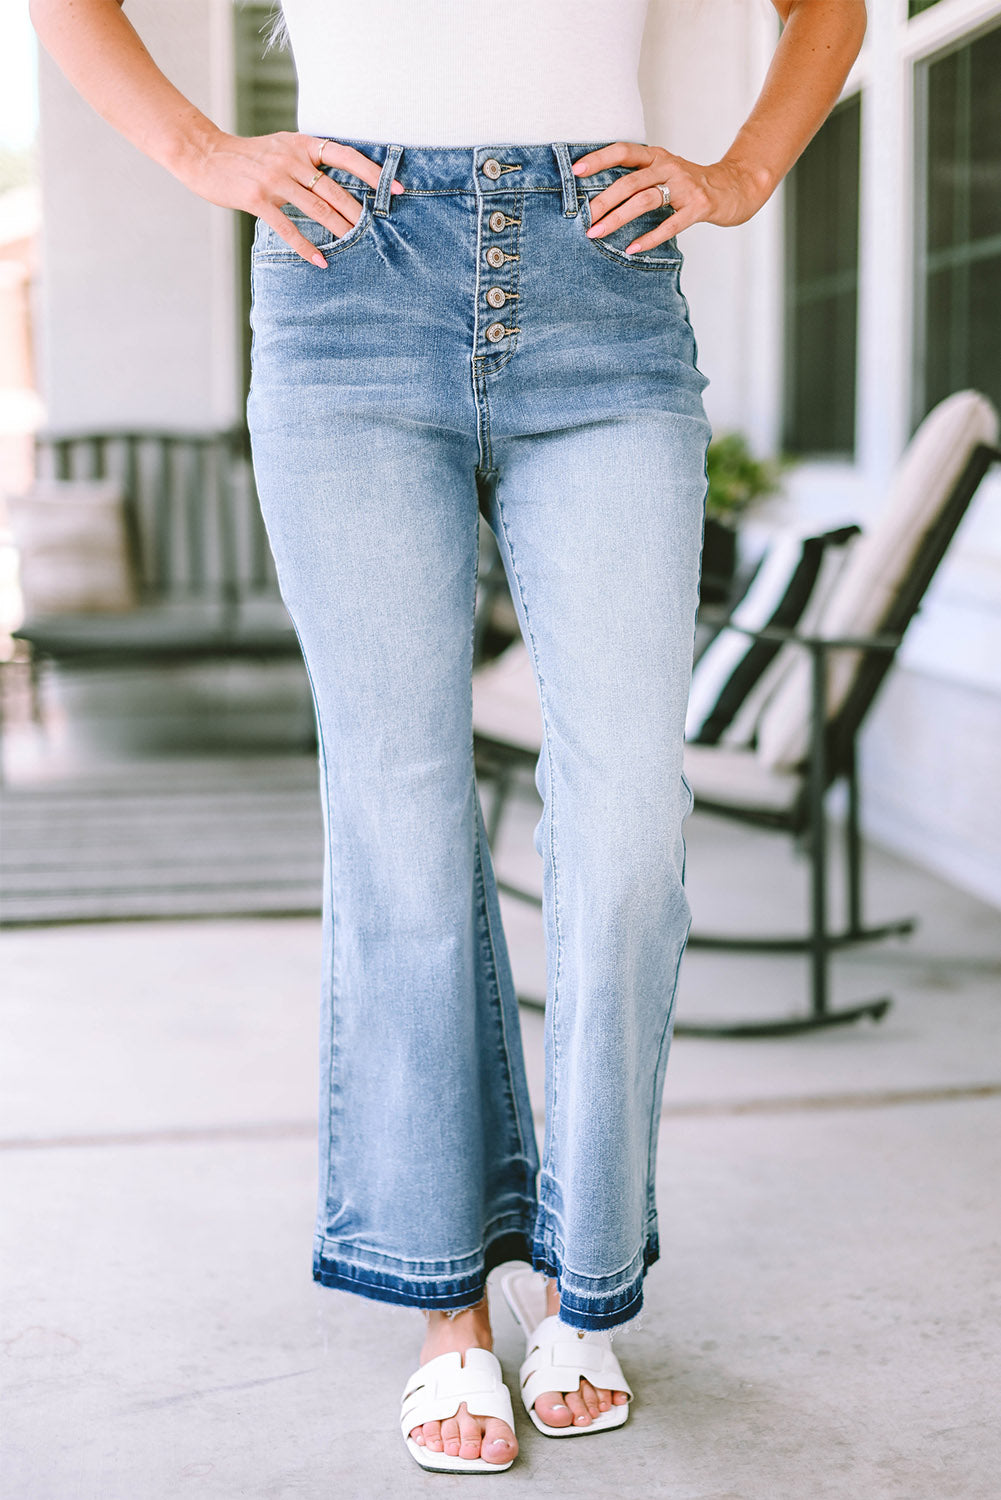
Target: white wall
x=137, y=289
x=703, y=64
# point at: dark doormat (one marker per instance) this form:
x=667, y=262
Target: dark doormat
x=213, y=837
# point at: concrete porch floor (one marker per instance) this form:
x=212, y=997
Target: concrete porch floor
x=824, y=1321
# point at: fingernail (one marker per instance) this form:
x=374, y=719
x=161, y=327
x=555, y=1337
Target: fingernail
x=318, y=260
x=578, y=166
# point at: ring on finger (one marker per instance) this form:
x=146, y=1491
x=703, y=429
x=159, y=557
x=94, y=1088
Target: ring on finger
x=316, y=175
x=665, y=192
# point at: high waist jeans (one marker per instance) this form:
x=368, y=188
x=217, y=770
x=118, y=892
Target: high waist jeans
x=468, y=347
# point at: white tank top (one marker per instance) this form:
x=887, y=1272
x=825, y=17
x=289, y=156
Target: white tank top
x=468, y=72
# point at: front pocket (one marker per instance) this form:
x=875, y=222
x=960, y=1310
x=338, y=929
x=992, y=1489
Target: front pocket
x=663, y=257
x=269, y=245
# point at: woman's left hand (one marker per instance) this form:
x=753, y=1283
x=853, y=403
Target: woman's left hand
x=721, y=193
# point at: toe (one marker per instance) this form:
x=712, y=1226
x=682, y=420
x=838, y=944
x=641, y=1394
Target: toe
x=589, y=1396
x=581, y=1415
x=552, y=1409
x=470, y=1431
x=450, y=1436
x=604, y=1398
x=417, y=1433
x=498, y=1444
x=432, y=1436
x=619, y=1398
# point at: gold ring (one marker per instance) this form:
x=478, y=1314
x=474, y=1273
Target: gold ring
x=314, y=177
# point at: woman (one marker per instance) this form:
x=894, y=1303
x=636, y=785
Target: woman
x=466, y=298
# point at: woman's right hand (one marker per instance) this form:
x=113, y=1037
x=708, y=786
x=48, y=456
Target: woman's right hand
x=258, y=173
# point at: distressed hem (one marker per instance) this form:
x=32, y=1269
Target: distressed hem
x=591, y=1303
x=437, y=1293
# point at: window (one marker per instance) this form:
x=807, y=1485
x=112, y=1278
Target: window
x=266, y=88
x=821, y=298
x=958, y=316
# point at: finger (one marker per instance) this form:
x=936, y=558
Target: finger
x=618, y=154
x=288, y=232
x=639, y=203
x=340, y=217
x=340, y=198
x=349, y=160
x=682, y=218
x=644, y=178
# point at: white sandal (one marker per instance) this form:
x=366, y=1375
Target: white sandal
x=559, y=1356
x=437, y=1390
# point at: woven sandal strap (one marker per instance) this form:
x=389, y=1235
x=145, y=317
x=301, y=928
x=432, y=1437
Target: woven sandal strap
x=438, y=1388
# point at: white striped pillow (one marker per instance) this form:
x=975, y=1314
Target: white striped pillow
x=733, y=664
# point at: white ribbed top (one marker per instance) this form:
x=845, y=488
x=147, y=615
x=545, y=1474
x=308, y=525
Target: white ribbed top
x=468, y=72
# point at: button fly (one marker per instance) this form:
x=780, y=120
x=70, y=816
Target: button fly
x=491, y=168
x=496, y=296
x=495, y=256
x=496, y=332
x=497, y=221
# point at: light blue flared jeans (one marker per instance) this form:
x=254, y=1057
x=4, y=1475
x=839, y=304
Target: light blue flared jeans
x=468, y=348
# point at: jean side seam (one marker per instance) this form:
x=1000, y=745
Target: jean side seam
x=483, y=912
x=333, y=927
x=660, y=1067
x=497, y=997
x=551, y=813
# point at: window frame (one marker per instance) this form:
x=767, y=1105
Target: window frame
x=920, y=129
x=850, y=98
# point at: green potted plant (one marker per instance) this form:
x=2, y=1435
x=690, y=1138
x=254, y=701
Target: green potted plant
x=736, y=480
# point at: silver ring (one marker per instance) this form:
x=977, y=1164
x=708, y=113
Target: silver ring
x=665, y=193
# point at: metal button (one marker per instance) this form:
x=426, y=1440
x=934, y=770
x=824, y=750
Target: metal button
x=495, y=332
x=495, y=256
x=496, y=296
x=491, y=168
x=497, y=221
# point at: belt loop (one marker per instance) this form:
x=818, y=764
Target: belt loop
x=567, y=179
x=383, y=192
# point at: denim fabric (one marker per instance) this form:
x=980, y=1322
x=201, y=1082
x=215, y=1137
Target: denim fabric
x=382, y=418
